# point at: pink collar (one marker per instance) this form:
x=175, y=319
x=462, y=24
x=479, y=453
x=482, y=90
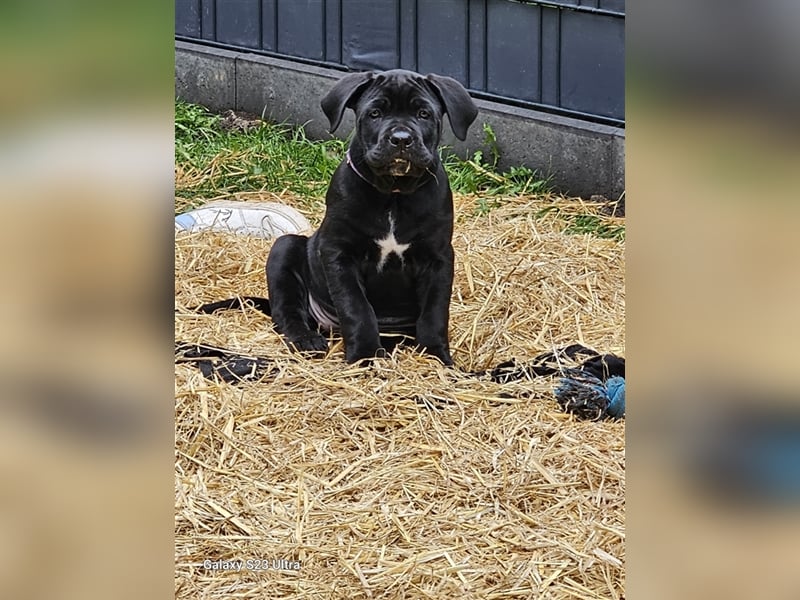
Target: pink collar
x=352, y=165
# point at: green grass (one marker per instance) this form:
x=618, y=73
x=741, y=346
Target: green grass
x=216, y=160
x=266, y=157
x=595, y=225
x=586, y=222
x=477, y=175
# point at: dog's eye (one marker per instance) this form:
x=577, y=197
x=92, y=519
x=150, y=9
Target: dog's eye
x=375, y=113
x=423, y=113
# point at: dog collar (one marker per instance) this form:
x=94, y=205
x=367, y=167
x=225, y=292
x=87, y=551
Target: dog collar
x=352, y=165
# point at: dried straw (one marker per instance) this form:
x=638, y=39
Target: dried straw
x=405, y=479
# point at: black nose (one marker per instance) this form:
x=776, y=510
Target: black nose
x=401, y=138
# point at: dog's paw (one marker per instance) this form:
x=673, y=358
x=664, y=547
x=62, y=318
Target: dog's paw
x=311, y=343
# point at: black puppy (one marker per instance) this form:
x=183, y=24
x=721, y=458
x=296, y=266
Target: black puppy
x=382, y=260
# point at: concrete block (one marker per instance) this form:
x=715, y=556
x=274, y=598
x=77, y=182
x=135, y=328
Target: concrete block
x=617, y=184
x=205, y=75
x=287, y=92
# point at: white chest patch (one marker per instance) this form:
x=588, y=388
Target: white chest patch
x=389, y=245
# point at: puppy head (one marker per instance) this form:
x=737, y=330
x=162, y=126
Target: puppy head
x=399, y=116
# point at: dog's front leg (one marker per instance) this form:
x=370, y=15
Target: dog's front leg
x=434, y=287
x=357, y=320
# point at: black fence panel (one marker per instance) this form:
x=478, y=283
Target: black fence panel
x=565, y=56
x=187, y=18
x=370, y=33
x=590, y=59
x=238, y=23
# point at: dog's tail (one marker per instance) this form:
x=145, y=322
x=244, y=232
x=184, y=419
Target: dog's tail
x=261, y=304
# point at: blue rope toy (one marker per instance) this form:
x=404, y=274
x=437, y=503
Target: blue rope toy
x=591, y=398
x=592, y=388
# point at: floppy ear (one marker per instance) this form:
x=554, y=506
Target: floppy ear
x=460, y=108
x=344, y=94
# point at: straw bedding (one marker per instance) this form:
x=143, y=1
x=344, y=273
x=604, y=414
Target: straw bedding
x=405, y=479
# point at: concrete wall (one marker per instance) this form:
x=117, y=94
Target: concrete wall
x=582, y=158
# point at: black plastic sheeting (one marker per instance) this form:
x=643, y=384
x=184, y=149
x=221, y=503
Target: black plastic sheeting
x=563, y=54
